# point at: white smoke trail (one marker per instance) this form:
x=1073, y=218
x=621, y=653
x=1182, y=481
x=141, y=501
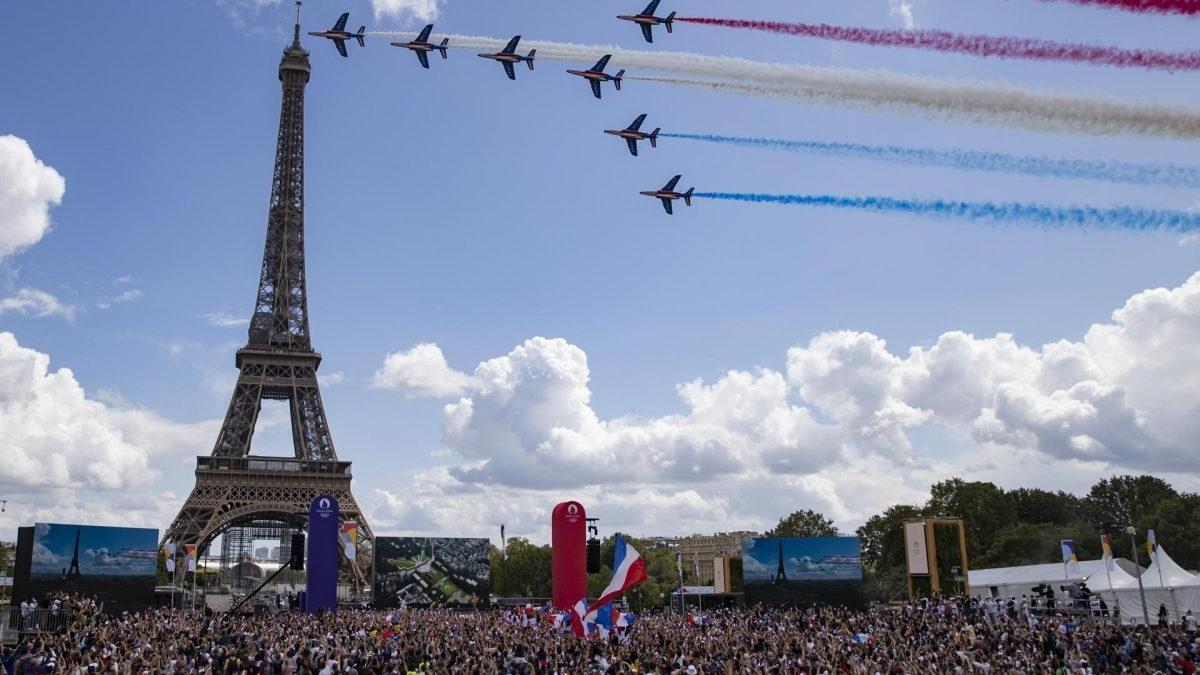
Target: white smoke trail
x=949, y=99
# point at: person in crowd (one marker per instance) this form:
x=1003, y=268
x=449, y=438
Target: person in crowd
x=945, y=635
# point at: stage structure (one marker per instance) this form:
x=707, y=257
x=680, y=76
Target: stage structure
x=568, y=554
x=920, y=543
x=238, y=494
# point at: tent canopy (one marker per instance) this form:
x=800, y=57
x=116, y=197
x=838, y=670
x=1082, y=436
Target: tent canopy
x=1117, y=577
x=1164, y=572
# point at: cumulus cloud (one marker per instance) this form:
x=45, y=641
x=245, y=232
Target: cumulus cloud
x=903, y=9
x=834, y=430
x=35, y=302
x=421, y=371
x=56, y=435
x=421, y=10
x=28, y=188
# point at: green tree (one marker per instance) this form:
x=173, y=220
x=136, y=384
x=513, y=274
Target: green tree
x=1114, y=503
x=1033, y=543
x=983, y=507
x=1031, y=505
x=882, y=542
x=525, y=573
x=1176, y=525
x=804, y=523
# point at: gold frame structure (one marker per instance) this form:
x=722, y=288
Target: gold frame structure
x=935, y=584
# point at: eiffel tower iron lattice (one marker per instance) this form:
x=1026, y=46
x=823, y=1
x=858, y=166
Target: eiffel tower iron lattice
x=233, y=486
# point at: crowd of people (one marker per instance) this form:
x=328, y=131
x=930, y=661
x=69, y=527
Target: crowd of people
x=951, y=636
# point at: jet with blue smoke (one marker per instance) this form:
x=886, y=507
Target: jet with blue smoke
x=974, y=160
x=1124, y=218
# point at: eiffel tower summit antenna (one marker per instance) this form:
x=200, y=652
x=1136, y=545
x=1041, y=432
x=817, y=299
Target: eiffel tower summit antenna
x=296, y=34
x=234, y=487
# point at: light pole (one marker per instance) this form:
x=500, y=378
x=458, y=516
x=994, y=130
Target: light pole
x=1132, y=532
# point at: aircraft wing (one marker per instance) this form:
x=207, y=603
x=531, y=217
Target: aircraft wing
x=647, y=32
x=508, y=68
x=667, y=205
x=341, y=22
x=341, y=46
x=424, y=36
x=672, y=183
x=595, y=87
x=650, y=8
x=599, y=67
x=632, y=146
x=512, y=45
x=423, y=57
x=637, y=124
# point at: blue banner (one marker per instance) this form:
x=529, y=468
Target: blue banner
x=323, y=525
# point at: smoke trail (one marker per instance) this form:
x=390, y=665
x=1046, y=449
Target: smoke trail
x=980, y=104
x=1188, y=7
x=1119, y=218
x=948, y=99
x=975, y=45
x=972, y=160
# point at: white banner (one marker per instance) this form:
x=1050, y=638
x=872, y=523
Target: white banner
x=918, y=551
x=719, y=574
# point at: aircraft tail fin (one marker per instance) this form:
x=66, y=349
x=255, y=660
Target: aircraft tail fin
x=687, y=196
x=669, y=20
x=617, y=79
x=442, y=47
x=529, y=59
x=654, y=137
x=361, y=31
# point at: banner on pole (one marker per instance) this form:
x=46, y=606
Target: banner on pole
x=348, y=536
x=1106, y=546
x=1070, y=560
x=917, y=547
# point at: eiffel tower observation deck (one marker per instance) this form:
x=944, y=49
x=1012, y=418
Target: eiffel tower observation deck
x=234, y=487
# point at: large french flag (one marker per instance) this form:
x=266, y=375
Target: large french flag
x=629, y=570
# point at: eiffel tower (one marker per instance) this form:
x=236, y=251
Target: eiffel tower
x=73, y=571
x=234, y=487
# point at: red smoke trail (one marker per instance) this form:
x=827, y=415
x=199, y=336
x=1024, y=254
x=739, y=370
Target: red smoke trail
x=1188, y=7
x=977, y=45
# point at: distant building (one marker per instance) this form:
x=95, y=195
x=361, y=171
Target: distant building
x=661, y=542
x=699, y=550
x=262, y=553
x=275, y=554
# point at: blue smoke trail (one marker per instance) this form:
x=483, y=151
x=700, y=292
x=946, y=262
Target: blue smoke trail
x=1117, y=218
x=1111, y=171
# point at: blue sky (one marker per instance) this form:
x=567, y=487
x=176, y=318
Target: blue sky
x=455, y=207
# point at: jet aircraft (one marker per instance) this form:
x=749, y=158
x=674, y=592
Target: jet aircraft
x=632, y=134
x=508, y=56
x=422, y=46
x=339, y=34
x=668, y=194
x=595, y=75
x=647, y=20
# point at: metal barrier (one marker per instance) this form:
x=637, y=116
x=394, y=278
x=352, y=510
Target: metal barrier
x=14, y=622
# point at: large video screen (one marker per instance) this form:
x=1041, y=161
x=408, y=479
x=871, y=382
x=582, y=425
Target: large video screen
x=803, y=570
x=423, y=571
x=116, y=565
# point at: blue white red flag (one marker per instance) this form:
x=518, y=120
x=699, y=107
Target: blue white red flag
x=578, y=612
x=629, y=570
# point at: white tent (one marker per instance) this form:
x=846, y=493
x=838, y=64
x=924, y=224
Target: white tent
x=1165, y=572
x=1178, y=591
x=1017, y=581
x=1115, y=578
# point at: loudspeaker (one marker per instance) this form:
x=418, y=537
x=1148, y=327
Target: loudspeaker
x=593, y=555
x=297, y=561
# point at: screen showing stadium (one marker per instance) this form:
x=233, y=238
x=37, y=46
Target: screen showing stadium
x=116, y=565
x=422, y=571
x=803, y=570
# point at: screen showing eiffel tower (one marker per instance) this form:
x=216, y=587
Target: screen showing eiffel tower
x=803, y=570
x=116, y=565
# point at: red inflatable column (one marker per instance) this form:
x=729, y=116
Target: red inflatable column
x=568, y=542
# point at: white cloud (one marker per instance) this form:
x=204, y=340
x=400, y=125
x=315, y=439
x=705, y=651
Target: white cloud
x=226, y=320
x=330, y=379
x=835, y=433
x=421, y=10
x=35, y=302
x=128, y=295
x=904, y=10
x=28, y=188
x=421, y=371
x=56, y=435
